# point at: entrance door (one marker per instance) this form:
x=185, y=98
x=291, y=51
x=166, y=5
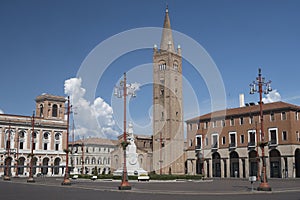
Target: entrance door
x=275, y=170
x=297, y=163
x=275, y=164
x=216, y=165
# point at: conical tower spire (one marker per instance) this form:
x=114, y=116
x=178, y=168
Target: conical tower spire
x=167, y=42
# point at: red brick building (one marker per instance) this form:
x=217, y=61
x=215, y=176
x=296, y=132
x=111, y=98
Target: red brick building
x=229, y=140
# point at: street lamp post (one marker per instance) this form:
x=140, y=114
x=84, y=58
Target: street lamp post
x=123, y=91
x=7, y=176
x=260, y=81
x=30, y=178
x=17, y=156
x=66, y=180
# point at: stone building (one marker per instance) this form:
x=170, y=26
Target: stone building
x=225, y=143
x=168, y=134
x=49, y=139
x=90, y=154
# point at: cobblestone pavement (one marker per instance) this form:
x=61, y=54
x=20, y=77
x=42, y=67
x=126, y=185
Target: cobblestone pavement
x=51, y=188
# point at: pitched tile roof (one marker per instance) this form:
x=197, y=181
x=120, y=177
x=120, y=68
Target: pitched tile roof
x=240, y=111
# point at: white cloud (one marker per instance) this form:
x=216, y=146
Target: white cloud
x=273, y=96
x=1, y=111
x=91, y=119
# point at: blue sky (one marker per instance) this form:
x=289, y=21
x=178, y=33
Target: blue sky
x=44, y=43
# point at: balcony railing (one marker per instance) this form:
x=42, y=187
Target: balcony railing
x=232, y=145
x=273, y=142
x=214, y=146
x=251, y=144
x=198, y=147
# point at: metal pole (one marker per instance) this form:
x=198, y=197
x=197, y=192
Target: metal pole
x=17, y=156
x=264, y=186
x=124, y=184
x=7, y=176
x=257, y=155
x=30, y=178
x=66, y=180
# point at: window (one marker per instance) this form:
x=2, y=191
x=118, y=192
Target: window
x=232, y=142
x=214, y=124
x=41, y=110
x=241, y=120
x=56, y=147
x=191, y=142
x=251, y=120
x=231, y=122
x=296, y=115
x=45, y=146
x=33, y=146
x=251, y=138
x=297, y=136
x=198, y=142
x=205, y=125
x=191, y=127
x=54, y=110
x=273, y=136
x=214, y=144
x=283, y=116
x=272, y=117
x=57, y=135
x=21, y=145
x=284, y=135
x=175, y=66
x=46, y=136
x=223, y=140
x=242, y=139
x=223, y=123
x=162, y=91
x=22, y=134
x=198, y=126
x=162, y=66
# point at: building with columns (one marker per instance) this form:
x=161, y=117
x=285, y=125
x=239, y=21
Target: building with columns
x=226, y=143
x=168, y=134
x=49, y=139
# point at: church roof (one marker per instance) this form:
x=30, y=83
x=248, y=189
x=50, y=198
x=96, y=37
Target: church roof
x=167, y=42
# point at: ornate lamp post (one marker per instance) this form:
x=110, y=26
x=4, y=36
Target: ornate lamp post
x=30, y=178
x=66, y=180
x=260, y=81
x=17, y=155
x=123, y=91
x=7, y=171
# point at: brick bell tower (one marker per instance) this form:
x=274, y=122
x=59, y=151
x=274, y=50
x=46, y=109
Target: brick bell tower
x=168, y=135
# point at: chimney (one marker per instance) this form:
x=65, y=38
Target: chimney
x=242, y=100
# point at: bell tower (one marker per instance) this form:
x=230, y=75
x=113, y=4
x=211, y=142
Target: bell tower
x=50, y=107
x=168, y=135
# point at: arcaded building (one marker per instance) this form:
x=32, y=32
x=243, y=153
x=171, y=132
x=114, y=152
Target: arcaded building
x=90, y=154
x=49, y=139
x=226, y=143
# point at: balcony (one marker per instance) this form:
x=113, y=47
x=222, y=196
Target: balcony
x=273, y=143
x=232, y=146
x=251, y=144
x=214, y=147
x=198, y=147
